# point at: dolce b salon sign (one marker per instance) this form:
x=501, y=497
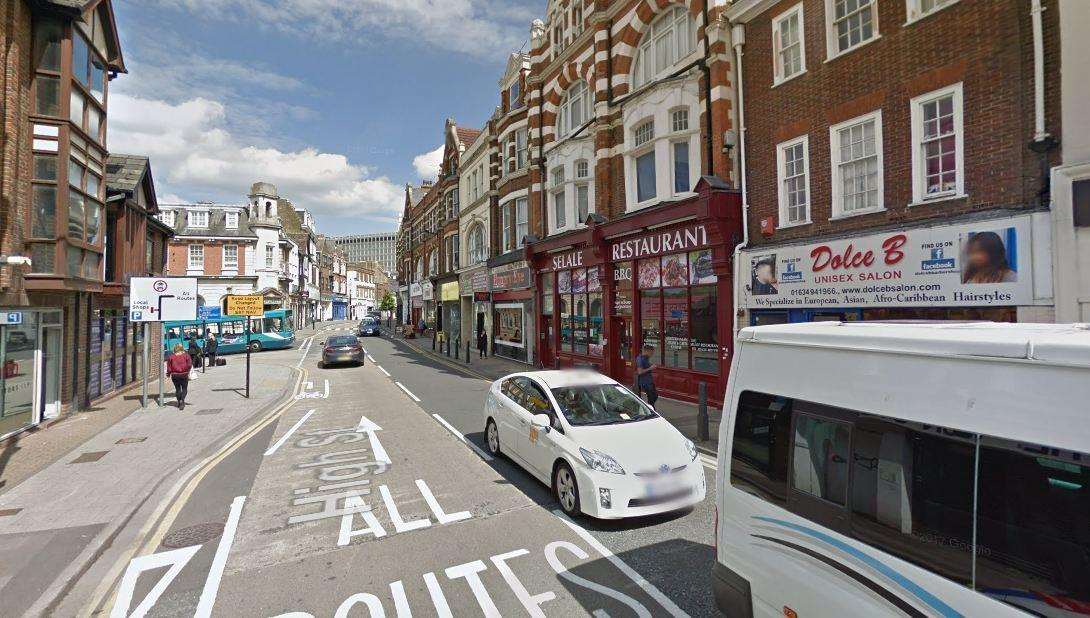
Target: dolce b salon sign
x=985, y=263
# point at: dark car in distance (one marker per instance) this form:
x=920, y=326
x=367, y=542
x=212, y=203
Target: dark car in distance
x=342, y=349
x=368, y=328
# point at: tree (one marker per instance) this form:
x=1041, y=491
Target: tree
x=388, y=302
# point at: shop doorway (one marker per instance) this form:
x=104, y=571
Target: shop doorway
x=50, y=396
x=622, y=352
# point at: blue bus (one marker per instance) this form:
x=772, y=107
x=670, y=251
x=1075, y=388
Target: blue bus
x=271, y=332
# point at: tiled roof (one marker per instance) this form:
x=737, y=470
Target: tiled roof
x=466, y=136
x=217, y=221
x=124, y=172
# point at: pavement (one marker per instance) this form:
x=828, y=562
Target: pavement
x=334, y=490
x=681, y=414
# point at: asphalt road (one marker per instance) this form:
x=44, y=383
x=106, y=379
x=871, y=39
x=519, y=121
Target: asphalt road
x=371, y=495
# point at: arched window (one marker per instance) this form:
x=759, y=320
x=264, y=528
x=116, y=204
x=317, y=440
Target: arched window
x=671, y=38
x=574, y=109
x=477, y=250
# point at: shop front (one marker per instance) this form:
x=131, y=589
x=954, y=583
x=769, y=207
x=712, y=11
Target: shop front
x=996, y=269
x=30, y=358
x=473, y=285
x=115, y=352
x=451, y=313
x=416, y=304
x=427, y=295
x=659, y=277
x=512, y=311
x=340, y=307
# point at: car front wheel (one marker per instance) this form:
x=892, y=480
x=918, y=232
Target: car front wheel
x=492, y=437
x=566, y=489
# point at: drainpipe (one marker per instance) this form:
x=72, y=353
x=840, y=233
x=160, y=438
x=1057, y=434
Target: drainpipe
x=738, y=38
x=1042, y=142
x=1039, y=133
x=710, y=141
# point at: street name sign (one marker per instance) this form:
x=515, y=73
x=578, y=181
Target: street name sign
x=162, y=299
x=252, y=305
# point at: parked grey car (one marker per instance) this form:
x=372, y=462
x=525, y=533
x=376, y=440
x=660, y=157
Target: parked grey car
x=342, y=349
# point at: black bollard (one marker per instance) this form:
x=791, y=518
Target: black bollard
x=702, y=413
x=467, y=352
x=433, y=342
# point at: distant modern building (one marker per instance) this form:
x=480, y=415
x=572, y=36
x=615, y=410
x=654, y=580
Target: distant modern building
x=379, y=248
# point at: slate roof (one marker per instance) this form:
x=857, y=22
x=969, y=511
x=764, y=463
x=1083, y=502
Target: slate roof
x=124, y=172
x=217, y=221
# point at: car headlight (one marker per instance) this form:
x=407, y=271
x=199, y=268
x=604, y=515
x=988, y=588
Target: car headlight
x=598, y=460
x=692, y=450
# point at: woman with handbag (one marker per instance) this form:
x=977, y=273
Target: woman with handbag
x=178, y=367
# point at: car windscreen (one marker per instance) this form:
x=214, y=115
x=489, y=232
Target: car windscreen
x=336, y=342
x=601, y=404
x=368, y=322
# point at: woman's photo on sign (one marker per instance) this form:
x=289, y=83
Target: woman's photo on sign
x=990, y=257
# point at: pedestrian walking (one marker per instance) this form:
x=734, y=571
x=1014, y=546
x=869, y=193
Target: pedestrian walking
x=194, y=352
x=179, y=364
x=210, y=348
x=482, y=344
x=645, y=378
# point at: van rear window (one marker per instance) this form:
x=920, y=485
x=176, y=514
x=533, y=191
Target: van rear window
x=907, y=489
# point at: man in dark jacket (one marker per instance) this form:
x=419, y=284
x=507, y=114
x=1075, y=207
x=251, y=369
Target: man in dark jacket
x=210, y=346
x=194, y=352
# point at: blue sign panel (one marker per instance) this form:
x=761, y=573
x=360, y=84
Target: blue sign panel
x=208, y=313
x=11, y=317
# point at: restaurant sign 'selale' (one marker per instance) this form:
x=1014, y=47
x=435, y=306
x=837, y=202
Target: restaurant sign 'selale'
x=683, y=239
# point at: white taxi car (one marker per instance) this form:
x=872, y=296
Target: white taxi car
x=603, y=451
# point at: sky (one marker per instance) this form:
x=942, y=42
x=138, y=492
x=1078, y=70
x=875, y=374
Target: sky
x=338, y=103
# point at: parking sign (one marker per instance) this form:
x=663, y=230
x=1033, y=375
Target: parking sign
x=162, y=299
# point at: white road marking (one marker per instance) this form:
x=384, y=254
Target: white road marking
x=284, y=438
x=369, y=427
x=371, y=358
x=176, y=559
x=638, y=579
x=408, y=392
x=215, y=574
x=306, y=349
x=384, y=371
x=485, y=456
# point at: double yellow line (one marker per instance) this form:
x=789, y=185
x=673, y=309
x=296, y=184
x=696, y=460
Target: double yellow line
x=167, y=511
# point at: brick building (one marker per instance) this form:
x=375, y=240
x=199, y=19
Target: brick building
x=215, y=244
x=894, y=154
x=630, y=103
x=65, y=338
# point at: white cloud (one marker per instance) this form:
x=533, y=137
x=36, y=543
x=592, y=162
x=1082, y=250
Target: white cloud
x=427, y=164
x=481, y=28
x=194, y=153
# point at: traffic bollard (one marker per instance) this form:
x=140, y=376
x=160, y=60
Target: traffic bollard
x=433, y=342
x=702, y=413
x=467, y=352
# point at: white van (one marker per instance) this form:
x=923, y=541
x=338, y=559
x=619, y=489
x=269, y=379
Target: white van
x=919, y=469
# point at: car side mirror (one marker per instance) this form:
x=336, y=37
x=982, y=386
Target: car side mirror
x=541, y=421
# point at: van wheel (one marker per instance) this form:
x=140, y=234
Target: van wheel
x=492, y=437
x=566, y=489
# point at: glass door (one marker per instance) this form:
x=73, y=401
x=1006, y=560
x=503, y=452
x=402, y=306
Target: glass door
x=18, y=353
x=50, y=405
x=622, y=352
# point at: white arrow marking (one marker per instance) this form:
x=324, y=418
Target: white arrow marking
x=212, y=584
x=370, y=428
x=326, y=390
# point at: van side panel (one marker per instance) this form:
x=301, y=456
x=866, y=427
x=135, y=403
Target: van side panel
x=788, y=561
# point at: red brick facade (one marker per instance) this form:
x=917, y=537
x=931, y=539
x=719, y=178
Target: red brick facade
x=985, y=46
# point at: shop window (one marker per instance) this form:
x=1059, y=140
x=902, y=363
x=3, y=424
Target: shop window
x=651, y=322
x=704, y=325
x=19, y=346
x=1032, y=528
x=547, y=294
x=679, y=321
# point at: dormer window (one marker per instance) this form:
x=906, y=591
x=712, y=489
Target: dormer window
x=167, y=217
x=574, y=109
x=198, y=218
x=231, y=220
x=670, y=39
